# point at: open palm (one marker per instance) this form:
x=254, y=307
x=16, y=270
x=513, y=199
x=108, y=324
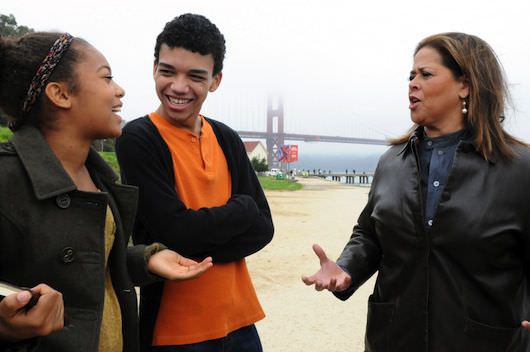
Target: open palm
x=330, y=276
x=172, y=266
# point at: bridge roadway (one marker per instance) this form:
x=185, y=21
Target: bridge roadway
x=313, y=138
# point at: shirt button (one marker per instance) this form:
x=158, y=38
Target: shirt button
x=429, y=143
x=63, y=201
x=429, y=222
x=193, y=139
x=440, y=152
x=436, y=183
x=68, y=255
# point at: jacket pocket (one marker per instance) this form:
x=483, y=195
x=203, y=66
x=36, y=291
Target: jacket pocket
x=486, y=338
x=379, y=320
x=81, y=335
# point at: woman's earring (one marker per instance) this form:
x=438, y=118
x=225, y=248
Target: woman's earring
x=464, y=109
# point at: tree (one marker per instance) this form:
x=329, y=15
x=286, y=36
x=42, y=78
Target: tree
x=9, y=27
x=259, y=165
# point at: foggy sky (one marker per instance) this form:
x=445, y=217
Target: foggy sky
x=341, y=66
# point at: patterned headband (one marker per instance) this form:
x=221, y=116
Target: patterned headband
x=45, y=70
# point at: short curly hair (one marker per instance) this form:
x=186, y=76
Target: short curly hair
x=194, y=33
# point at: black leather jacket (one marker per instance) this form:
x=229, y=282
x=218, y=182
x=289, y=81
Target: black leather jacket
x=461, y=285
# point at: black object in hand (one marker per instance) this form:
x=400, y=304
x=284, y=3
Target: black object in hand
x=7, y=289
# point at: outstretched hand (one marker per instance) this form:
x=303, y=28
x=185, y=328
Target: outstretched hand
x=525, y=324
x=330, y=276
x=172, y=266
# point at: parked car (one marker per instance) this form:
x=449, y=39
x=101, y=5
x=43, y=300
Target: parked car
x=274, y=172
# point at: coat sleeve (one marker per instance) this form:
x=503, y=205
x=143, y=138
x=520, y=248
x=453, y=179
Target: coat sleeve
x=193, y=233
x=361, y=256
x=137, y=266
x=260, y=233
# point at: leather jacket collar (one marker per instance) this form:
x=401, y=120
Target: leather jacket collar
x=466, y=145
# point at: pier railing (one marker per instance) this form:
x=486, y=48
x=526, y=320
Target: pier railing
x=348, y=178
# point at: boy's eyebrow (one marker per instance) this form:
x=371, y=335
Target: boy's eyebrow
x=196, y=71
x=167, y=66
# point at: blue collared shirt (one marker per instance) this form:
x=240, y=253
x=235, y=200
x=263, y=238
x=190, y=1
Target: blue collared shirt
x=436, y=158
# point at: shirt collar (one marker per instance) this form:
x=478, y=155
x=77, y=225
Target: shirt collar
x=467, y=141
x=444, y=141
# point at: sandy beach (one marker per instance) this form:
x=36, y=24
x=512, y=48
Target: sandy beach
x=298, y=317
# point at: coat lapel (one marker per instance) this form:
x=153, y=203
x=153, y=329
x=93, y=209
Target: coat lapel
x=47, y=175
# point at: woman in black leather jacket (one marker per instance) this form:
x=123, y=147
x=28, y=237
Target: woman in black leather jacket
x=447, y=223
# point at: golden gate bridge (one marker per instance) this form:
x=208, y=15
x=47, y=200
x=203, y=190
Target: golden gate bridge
x=275, y=135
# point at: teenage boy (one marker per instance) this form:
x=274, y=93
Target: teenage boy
x=198, y=196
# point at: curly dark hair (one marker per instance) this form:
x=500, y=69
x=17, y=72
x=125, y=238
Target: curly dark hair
x=19, y=59
x=194, y=33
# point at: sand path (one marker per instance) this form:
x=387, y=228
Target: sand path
x=298, y=317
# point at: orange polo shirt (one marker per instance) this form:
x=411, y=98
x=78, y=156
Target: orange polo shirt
x=223, y=299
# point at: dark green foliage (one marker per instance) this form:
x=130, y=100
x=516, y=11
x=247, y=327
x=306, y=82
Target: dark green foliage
x=5, y=134
x=259, y=165
x=110, y=158
x=9, y=26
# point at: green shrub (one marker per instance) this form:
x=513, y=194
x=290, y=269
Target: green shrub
x=5, y=134
x=110, y=158
x=259, y=165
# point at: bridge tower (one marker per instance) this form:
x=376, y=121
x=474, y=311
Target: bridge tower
x=275, y=133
